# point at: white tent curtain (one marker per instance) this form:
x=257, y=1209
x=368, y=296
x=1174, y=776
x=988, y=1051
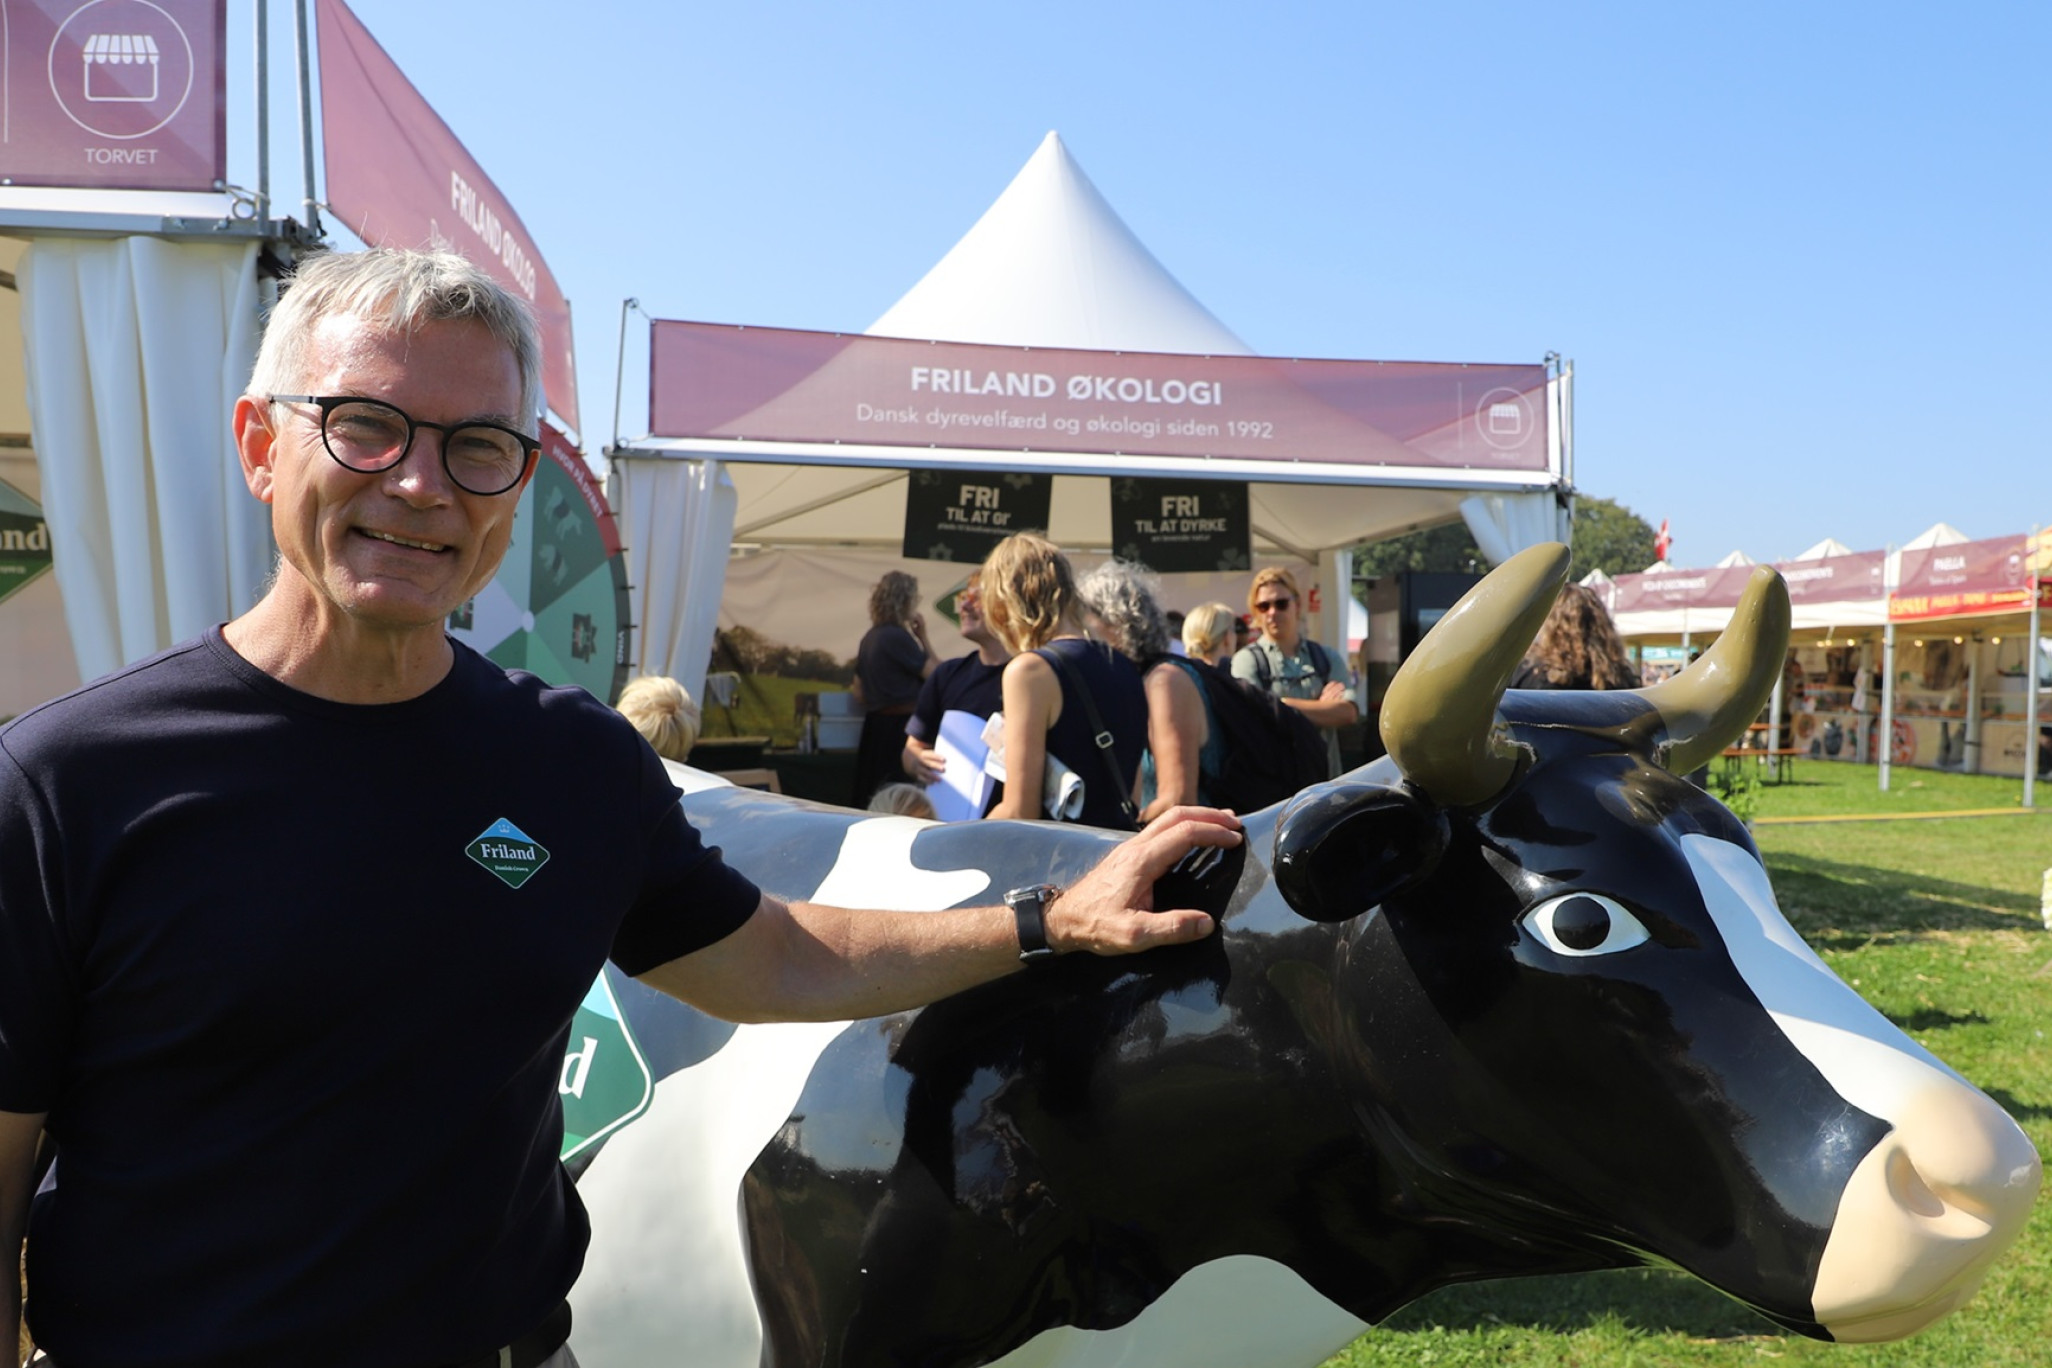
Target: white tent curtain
x=137, y=349
x=1505, y=524
x=677, y=518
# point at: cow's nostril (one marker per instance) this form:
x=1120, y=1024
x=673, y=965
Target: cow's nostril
x=1908, y=1187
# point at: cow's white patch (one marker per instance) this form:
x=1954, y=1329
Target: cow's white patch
x=1862, y=1055
x=875, y=869
x=1230, y=1313
x=666, y=1278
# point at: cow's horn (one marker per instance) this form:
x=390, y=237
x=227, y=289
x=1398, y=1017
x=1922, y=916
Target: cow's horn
x=1708, y=706
x=1439, y=720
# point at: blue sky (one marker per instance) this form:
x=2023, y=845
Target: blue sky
x=1798, y=254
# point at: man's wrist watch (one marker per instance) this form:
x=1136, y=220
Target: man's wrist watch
x=1029, y=913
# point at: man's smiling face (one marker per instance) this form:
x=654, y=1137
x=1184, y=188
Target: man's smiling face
x=401, y=549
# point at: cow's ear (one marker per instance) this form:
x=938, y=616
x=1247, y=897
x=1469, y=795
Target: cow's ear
x=1344, y=848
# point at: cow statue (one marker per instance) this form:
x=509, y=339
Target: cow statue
x=1516, y=999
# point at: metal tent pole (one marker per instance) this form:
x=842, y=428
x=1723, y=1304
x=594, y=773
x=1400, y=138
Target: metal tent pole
x=1884, y=744
x=263, y=111
x=2036, y=581
x=306, y=131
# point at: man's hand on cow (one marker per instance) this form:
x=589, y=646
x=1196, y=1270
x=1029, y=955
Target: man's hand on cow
x=1110, y=910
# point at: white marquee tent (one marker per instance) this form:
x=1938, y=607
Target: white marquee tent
x=1050, y=264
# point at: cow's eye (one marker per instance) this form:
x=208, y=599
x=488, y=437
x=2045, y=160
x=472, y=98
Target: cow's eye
x=1584, y=924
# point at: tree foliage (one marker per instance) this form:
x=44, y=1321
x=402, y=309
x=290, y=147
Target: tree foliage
x=1449, y=547
x=1608, y=537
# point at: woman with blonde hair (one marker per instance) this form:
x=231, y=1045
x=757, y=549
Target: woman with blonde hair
x=1030, y=601
x=1208, y=633
x=661, y=710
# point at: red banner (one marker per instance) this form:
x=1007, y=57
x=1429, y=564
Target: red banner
x=114, y=94
x=1716, y=587
x=770, y=384
x=1836, y=579
x=1970, y=579
x=399, y=178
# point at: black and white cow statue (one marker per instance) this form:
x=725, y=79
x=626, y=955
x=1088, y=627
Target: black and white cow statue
x=1515, y=1000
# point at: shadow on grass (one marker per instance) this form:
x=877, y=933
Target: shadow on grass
x=1649, y=1300
x=1936, y=1019
x=2022, y=1111
x=1856, y=901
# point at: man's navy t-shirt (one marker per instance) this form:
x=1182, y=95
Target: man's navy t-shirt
x=293, y=980
x=964, y=684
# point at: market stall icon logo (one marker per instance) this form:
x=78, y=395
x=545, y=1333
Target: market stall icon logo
x=121, y=69
x=508, y=852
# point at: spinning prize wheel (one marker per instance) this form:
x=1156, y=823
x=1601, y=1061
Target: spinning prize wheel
x=559, y=605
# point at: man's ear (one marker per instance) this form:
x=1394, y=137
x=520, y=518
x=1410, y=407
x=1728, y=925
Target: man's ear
x=257, y=444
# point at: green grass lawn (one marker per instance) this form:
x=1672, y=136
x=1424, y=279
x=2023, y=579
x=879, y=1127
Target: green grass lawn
x=1937, y=923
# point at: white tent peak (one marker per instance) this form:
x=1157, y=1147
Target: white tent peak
x=1823, y=550
x=1937, y=534
x=1051, y=264
x=1732, y=558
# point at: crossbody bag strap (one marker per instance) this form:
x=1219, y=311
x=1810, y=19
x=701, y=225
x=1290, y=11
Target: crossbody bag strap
x=1099, y=733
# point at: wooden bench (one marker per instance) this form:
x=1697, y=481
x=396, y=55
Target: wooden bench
x=1786, y=755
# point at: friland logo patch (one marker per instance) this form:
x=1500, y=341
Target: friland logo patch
x=508, y=852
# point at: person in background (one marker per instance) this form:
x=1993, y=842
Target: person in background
x=1243, y=632
x=892, y=662
x=1184, y=749
x=1290, y=665
x=1030, y=599
x=1577, y=648
x=972, y=683
x=1174, y=618
x=902, y=800
x=1209, y=634
x=662, y=711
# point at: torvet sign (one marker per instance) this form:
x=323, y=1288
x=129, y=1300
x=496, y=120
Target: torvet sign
x=113, y=94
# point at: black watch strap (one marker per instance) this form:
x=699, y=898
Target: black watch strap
x=1029, y=914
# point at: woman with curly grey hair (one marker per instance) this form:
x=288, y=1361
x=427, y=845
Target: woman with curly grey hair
x=1184, y=749
x=893, y=660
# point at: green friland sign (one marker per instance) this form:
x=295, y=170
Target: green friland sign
x=605, y=1082
x=24, y=540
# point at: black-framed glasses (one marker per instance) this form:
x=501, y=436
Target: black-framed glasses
x=1273, y=605
x=370, y=435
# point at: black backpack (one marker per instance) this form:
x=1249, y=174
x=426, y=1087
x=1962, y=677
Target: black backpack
x=1272, y=751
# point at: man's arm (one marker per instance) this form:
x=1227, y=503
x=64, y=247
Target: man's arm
x=806, y=962
x=1333, y=707
x=19, y=1133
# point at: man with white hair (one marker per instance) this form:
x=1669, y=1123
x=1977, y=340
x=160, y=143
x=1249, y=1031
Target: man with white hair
x=294, y=917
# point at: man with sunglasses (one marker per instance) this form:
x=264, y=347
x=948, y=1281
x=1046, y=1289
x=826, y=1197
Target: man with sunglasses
x=969, y=683
x=1292, y=666
x=294, y=917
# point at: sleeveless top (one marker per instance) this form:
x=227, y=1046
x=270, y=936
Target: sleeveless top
x=1115, y=687
x=1210, y=756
